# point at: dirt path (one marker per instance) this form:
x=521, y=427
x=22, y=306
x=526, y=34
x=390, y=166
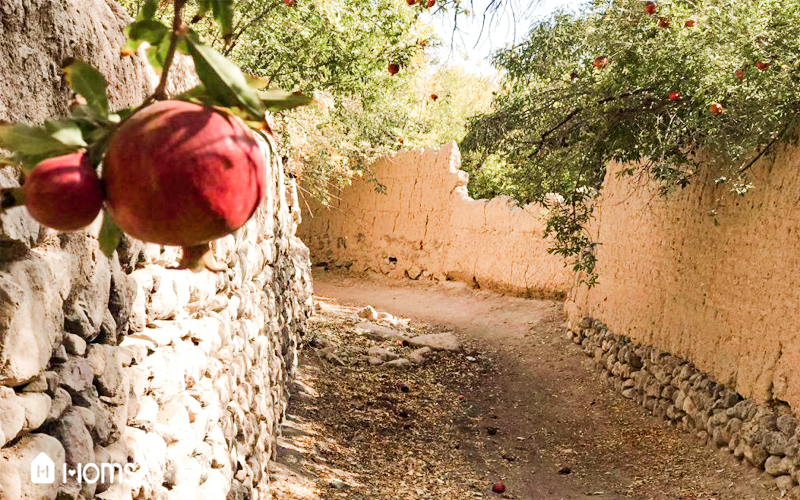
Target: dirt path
x=557, y=430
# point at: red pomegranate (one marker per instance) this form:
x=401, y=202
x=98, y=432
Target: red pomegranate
x=64, y=193
x=178, y=173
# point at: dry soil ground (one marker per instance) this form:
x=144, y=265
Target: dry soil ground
x=519, y=405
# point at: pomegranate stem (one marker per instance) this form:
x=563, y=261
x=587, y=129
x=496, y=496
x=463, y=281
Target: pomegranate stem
x=177, y=30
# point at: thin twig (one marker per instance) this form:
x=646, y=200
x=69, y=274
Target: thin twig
x=766, y=148
x=177, y=30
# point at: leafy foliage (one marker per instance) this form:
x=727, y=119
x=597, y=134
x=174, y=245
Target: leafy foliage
x=341, y=52
x=340, y=138
x=695, y=86
x=92, y=123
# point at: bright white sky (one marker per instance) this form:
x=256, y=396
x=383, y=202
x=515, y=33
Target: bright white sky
x=472, y=49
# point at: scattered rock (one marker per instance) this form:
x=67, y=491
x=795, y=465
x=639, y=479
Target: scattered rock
x=784, y=483
x=437, y=341
x=338, y=484
x=329, y=355
x=418, y=356
x=564, y=470
x=398, y=363
x=368, y=313
x=776, y=466
x=381, y=353
x=378, y=332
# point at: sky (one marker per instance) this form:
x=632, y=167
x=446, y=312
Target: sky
x=472, y=49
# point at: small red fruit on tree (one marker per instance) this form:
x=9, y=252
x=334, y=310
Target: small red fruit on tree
x=434, y=96
x=423, y=44
x=499, y=487
x=412, y=2
x=64, y=193
x=600, y=62
x=689, y=23
x=394, y=68
x=430, y=3
x=674, y=95
x=762, y=66
x=663, y=22
x=650, y=7
x=740, y=74
x=289, y=3
x=716, y=109
x=177, y=173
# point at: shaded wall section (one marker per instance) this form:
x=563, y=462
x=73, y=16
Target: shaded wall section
x=722, y=294
x=426, y=225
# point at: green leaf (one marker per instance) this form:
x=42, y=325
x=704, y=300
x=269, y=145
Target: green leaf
x=279, y=100
x=110, y=235
x=156, y=55
x=149, y=31
x=149, y=9
x=224, y=80
x=223, y=14
x=27, y=140
x=66, y=132
x=197, y=94
x=91, y=84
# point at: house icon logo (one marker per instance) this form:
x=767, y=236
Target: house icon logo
x=43, y=470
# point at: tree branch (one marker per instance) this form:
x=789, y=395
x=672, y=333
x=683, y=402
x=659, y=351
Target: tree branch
x=177, y=30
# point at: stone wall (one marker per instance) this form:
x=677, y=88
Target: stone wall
x=426, y=225
x=766, y=436
x=129, y=361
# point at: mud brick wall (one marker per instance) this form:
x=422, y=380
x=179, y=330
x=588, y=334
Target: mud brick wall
x=427, y=226
x=128, y=360
x=722, y=294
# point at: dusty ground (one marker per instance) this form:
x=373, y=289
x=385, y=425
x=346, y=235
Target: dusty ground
x=520, y=405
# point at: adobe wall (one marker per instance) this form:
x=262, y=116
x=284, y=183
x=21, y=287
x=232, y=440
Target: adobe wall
x=692, y=319
x=426, y=225
x=128, y=360
x=722, y=295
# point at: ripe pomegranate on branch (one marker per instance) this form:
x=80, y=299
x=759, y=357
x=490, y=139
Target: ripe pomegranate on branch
x=182, y=171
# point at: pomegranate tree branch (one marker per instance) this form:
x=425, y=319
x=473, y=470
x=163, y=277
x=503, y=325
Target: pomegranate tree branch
x=177, y=30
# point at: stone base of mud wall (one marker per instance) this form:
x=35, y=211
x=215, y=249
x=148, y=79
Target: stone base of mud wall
x=768, y=437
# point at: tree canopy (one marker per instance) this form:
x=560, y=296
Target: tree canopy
x=647, y=84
